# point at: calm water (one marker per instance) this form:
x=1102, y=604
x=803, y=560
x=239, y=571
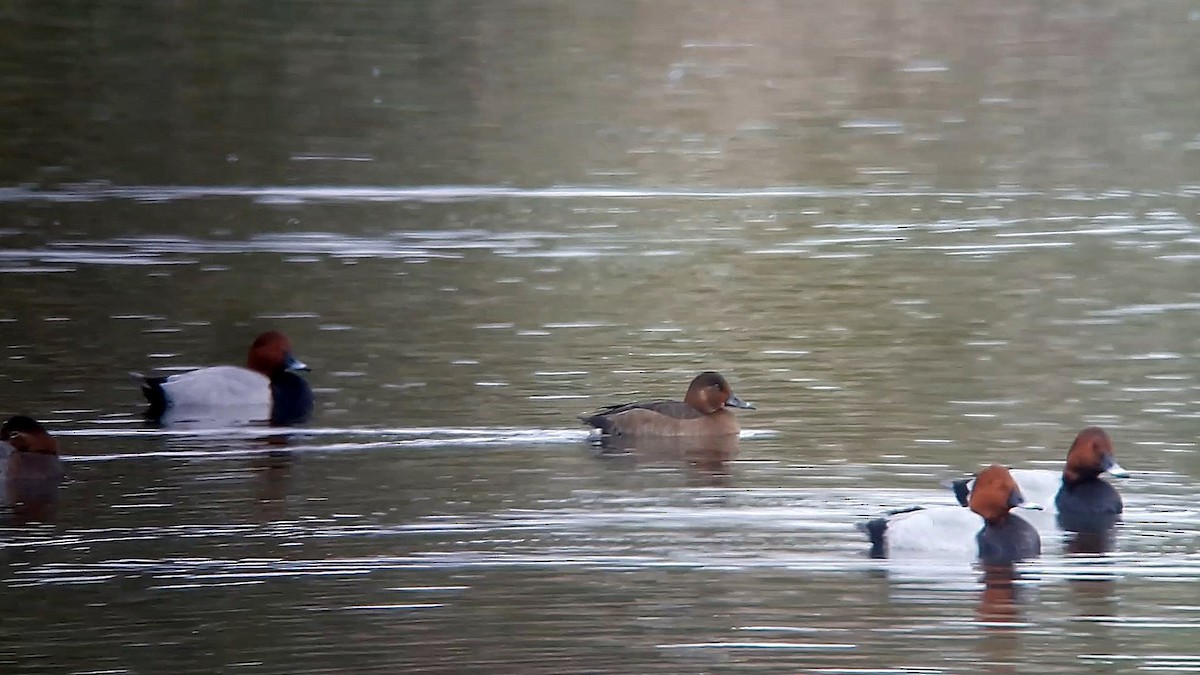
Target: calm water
x=920, y=236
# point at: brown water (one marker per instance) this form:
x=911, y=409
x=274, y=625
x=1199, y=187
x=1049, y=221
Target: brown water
x=920, y=236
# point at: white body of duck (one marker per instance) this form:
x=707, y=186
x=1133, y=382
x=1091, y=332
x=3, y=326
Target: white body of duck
x=220, y=386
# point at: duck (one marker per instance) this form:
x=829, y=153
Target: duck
x=267, y=388
x=31, y=468
x=1077, y=494
x=702, y=412
x=987, y=531
x=24, y=434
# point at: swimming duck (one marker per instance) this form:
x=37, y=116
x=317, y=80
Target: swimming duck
x=31, y=468
x=25, y=434
x=987, y=531
x=1077, y=492
x=267, y=388
x=701, y=413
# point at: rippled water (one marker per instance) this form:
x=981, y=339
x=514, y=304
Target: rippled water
x=919, y=237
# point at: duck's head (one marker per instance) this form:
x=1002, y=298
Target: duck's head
x=271, y=353
x=709, y=392
x=995, y=493
x=26, y=434
x=1091, y=455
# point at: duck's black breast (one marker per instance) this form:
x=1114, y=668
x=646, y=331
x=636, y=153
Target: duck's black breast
x=1089, y=497
x=291, y=399
x=1089, y=507
x=1011, y=541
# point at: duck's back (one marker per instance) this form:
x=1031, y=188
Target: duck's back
x=944, y=530
x=1037, y=485
x=218, y=386
x=661, y=418
x=673, y=409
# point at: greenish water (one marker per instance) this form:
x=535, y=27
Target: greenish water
x=920, y=237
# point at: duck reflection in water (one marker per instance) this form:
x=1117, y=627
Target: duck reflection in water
x=706, y=460
x=1091, y=534
x=32, y=470
x=273, y=472
x=1088, y=539
x=998, y=613
x=998, y=602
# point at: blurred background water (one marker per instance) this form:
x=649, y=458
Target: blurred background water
x=921, y=236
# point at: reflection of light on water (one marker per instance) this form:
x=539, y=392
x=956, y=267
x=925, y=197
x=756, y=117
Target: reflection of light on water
x=442, y=193
x=213, y=443
x=802, y=646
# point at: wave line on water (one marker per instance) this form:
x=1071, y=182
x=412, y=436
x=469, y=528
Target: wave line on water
x=442, y=193
x=805, y=646
x=383, y=439
x=517, y=433
x=253, y=432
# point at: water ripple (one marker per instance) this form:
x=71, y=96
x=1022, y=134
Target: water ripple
x=381, y=439
x=450, y=193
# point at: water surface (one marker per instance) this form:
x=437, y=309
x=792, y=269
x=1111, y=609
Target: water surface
x=920, y=237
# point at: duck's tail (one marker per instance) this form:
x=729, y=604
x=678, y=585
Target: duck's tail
x=601, y=423
x=155, y=396
x=874, y=530
x=961, y=489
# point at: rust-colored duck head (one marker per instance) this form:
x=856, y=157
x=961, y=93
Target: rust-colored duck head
x=994, y=494
x=710, y=392
x=271, y=353
x=1091, y=455
x=25, y=434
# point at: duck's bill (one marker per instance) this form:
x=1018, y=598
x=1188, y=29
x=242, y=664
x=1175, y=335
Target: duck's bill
x=1116, y=471
x=735, y=402
x=294, y=363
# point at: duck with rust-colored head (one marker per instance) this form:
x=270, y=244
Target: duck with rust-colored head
x=1080, y=497
x=267, y=388
x=31, y=468
x=25, y=434
x=704, y=411
x=988, y=531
